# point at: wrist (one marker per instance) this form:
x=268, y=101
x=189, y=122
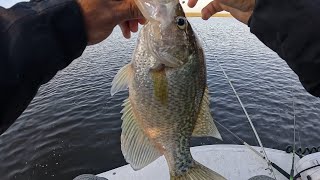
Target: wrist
x=99, y=23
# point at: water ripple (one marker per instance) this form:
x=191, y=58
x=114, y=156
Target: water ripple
x=73, y=126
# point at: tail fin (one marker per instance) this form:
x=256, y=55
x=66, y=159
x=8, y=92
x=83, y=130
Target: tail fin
x=199, y=172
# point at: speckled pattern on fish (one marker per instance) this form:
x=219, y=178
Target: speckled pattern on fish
x=168, y=99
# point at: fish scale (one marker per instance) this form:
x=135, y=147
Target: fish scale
x=179, y=110
x=168, y=100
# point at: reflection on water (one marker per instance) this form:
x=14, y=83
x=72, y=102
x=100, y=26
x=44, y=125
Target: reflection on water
x=73, y=125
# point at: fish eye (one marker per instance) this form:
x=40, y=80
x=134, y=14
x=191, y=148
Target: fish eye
x=182, y=22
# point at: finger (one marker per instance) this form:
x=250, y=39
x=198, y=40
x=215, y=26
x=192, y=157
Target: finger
x=142, y=21
x=242, y=5
x=211, y=9
x=237, y=13
x=192, y=3
x=128, y=10
x=124, y=26
x=135, y=13
x=133, y=24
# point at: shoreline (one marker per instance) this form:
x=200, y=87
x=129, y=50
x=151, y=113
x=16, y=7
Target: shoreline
x=191, y=14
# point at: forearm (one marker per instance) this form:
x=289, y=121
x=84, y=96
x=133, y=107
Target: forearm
x=37, y=39
x=291, y=28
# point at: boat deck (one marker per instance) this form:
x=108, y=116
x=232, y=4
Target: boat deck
x=234, y=162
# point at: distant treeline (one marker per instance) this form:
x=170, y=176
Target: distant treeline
x=191, y=14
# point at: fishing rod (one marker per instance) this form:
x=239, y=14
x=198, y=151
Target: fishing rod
x=283, y=172
x=294, y=141
x=248, y=117
x=270, y=164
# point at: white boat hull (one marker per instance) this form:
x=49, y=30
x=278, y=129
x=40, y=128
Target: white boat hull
x=234, y=162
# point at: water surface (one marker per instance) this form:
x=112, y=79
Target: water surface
x=73, y=124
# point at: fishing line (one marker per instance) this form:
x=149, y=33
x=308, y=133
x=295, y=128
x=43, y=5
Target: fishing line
x=248, y=117
x=269, y=163
x=272, y=87
x=284, y=173
x=299, y=138
x=225, y=133
x=294, y=140
x=315, y=171
x=241, y=140
x=204, y=43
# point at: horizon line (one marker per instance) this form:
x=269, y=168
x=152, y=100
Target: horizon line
x=198, y=14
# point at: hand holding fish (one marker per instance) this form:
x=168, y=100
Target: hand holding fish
x=101, y=16
x=239, y=9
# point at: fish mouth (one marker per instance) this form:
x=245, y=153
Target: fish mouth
x=162, y=26
x=161, y=11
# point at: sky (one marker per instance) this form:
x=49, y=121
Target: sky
x=9, y=3
x=199, y=6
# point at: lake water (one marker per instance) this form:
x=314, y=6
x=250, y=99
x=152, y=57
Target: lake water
x=73, y=124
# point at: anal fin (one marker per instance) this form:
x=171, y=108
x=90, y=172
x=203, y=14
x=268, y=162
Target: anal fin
x=204, y=124
x=135, y=145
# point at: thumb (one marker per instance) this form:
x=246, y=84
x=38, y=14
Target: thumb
x=130, y=11
x=216, y=6
x=238, y=14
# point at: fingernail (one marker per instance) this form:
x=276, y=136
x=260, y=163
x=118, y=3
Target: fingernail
x=204, y=17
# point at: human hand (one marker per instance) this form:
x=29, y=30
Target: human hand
x=239, y=9
x=101, y=16
x=131, y=26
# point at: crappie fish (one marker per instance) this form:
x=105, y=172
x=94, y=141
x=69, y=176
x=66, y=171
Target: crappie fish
x=168, y=99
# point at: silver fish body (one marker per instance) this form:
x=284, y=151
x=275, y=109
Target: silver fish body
x=168, y=99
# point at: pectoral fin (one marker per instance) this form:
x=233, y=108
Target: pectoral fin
x=135, y=145
x=205, y=125
x=122, y=79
